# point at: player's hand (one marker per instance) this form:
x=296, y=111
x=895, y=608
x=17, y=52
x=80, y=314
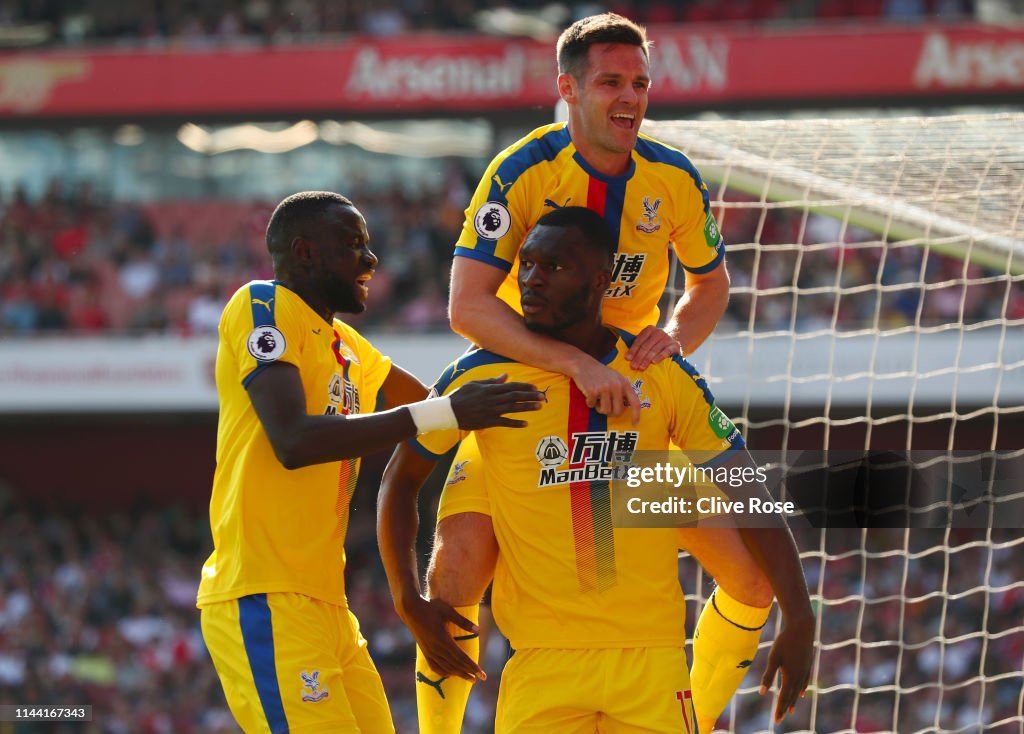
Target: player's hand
x=428, y=620
x=606, y=390
x=791, y=654
x=651, y=346
x=483, y=403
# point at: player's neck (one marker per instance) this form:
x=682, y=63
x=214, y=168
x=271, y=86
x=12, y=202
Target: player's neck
x=605, y=162
x=321, y=310
x=297, y=287
x=594, y=338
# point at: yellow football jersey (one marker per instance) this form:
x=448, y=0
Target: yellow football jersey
x=275, y=529
x=566, y=577
x=660, y=202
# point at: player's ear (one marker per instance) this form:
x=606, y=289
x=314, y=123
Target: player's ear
x=301, y=249
x=567, y=87
x=602, y=279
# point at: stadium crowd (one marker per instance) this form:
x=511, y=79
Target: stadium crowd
x=187, y=23
x=73, y=262
x=100, y=609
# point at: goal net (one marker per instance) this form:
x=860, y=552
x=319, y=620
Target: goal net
x=877, y=300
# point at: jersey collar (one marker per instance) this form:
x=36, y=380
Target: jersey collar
x=619, y=346
x=594, y=173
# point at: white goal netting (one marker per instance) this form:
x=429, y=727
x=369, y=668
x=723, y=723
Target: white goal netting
x=878, y=296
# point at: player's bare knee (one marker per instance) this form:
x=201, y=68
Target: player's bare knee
x=724, y=555
x=462, y=562
x=743, y=579
x=747, y=583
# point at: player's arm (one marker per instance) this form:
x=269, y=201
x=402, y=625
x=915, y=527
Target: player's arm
x=478, y=314
x=397, y=525
x=700, y=307
x=774, y=549
x=300, y=439
x=401, y=388
x=792, y=652
x=693, y=319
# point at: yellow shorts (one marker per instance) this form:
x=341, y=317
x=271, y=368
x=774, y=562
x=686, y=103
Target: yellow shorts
x=596, y=691
x=464, y=490
x=290, y=663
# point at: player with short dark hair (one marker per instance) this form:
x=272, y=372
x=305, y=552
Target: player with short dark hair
x=297, y=388
x=653, y=200
x=594, y=612
x=573, y=47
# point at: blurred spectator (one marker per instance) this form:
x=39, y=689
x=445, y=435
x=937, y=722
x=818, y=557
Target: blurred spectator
x=426, y=310
x=18, y=309
x=383, y=19
x=150, y=315
x=205, y=308
x=139, y=274
x=904, y=9
x=87, y=314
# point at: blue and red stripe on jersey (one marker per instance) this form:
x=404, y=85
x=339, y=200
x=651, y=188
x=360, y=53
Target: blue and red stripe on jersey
x=590, y=501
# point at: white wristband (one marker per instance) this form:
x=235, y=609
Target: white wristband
x=434, y=414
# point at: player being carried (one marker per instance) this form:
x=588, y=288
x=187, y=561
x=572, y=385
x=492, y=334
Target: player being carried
x=652, y=199
x=594, y=612
x=297, y=388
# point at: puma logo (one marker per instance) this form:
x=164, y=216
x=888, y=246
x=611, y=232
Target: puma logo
x=501, y=186
x=435, y=684
x=266, y=304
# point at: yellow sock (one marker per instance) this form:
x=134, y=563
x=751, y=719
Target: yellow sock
x=724, y=646
x=441, y=701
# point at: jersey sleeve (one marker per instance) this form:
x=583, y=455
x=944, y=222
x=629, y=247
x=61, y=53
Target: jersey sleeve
x=697, y=425
x=260, y=331
x=497, y=217
x=696, y=239
x=478, y=364
x=376, y=366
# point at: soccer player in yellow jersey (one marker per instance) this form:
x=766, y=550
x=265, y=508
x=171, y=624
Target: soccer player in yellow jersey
x=297, y=389
x=653, y=199
x=594, y=612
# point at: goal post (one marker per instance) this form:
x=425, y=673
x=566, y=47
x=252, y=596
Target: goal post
x=877, y=269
